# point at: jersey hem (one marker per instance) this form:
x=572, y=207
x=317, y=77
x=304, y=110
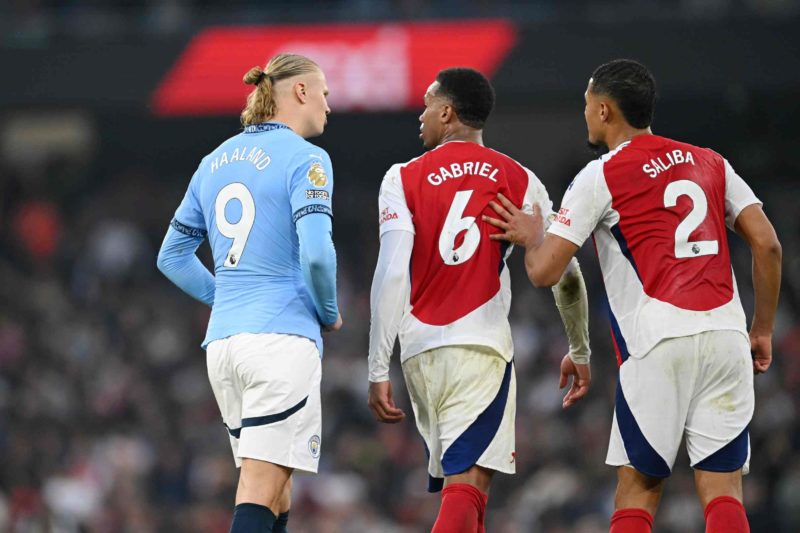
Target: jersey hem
x=413, y=350
x=689, y=333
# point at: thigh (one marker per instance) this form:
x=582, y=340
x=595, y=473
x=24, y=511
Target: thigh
x=653, y=396
x=717, y=439
x=476, y=410
x=226, y=388
x=280, y=376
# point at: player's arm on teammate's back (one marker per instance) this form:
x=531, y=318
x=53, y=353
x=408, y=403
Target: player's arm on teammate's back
x=177, y=259
x=754, y=226
x=546, y=255
x=311, y=197
x=550, y=262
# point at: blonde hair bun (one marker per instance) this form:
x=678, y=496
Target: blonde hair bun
x=253, y=76
x=261, y=105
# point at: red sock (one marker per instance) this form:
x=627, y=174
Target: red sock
x=726, y=515
x=631, y=521
x=462, y=510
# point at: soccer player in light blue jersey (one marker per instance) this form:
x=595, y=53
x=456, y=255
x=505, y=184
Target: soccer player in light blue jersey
x=263, y=199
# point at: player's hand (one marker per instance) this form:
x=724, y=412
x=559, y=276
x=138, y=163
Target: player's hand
x=581, y=378
x=518, y=227
x=381, y=403
x=761, y=349
x=336, y=326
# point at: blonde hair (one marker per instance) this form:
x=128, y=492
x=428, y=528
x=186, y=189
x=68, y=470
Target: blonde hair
x=261, y=105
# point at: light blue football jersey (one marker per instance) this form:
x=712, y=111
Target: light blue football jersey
x=247, y=196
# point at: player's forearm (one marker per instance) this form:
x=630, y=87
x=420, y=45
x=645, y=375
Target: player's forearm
x=388, y=297
x=541, y=267
x=178, y=262
x=573, y=306
x=766, y=284
x=318, y=263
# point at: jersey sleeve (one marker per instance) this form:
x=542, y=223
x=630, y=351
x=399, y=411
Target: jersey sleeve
x=536, y=194
x=311, y=183
x=188, y=217
x=583, y=207
x=738, y=195
x=393, y=212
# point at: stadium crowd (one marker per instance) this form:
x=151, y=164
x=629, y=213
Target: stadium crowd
x=108, y=423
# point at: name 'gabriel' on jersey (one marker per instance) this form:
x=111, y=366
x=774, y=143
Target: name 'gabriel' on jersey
x=460, y=287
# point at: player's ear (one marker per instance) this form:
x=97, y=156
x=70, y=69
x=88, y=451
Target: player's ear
x=605, y=111
x=446, y=114
x=300, y=91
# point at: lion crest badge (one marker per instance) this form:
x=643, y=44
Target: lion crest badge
x=317, y=176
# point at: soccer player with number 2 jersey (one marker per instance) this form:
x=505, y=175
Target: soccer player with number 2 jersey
x=657, y=211
x=443, y=286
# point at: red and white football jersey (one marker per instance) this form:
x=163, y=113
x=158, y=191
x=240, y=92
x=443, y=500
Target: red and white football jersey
x=657, y=210
x=460, y=287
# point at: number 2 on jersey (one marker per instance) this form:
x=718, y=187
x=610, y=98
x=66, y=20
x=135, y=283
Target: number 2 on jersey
x=453, y=226
x=238, y=231
x=683, y=246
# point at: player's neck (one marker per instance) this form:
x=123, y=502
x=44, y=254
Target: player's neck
x=624, y=134
x=465, y=134
x=294, y=122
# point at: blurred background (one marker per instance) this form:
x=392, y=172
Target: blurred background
x=107, y=421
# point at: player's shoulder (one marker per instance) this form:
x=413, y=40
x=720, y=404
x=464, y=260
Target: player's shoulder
x=395, y=172
x=647, y=147
x=302, y=149
x=590, y=172
x=506, y=159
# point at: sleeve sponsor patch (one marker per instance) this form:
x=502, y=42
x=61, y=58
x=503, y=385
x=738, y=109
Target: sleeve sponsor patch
x=386, y=215
x=311, y=209
x=316, y=194
x=316, y=175
x=563, y=217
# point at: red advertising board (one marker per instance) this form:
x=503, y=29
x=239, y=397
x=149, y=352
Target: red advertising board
x=369, y=67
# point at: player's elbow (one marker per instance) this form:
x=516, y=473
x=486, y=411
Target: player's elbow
x=569, y=285
x=542, y=277
x=768, y=248
x=319, y=259
x=163, y=262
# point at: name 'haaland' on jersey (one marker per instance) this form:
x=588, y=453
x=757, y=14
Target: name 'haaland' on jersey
x=457, y=170
x=675, y=157
x=257, y=157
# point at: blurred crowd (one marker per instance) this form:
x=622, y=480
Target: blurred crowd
x=108, y=423
x=32, y=22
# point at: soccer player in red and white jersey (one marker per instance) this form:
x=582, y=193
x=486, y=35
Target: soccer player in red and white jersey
x=443, y=285
x=657, y=210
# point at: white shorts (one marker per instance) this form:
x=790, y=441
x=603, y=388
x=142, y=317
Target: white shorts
x=464, y=401
x=700, y=386
x=267, y=389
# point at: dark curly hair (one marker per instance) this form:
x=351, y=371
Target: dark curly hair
x=631, y=85
x=470, y=93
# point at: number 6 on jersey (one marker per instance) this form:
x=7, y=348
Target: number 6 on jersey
x=453, y=226
x=240, y=230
